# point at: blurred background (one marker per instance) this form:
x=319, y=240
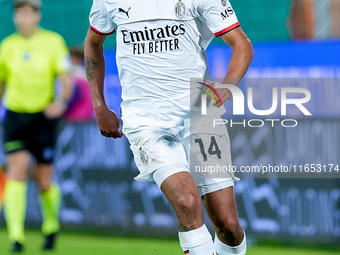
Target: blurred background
x=292, y=39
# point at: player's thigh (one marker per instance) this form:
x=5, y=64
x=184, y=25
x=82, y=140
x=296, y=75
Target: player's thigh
x=181, y=191
x=160, y=157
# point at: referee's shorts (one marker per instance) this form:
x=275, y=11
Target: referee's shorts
x=32, y=132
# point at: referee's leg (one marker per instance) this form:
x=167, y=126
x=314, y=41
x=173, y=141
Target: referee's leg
x=50, y=195
x=50, y=199
x=15, y=196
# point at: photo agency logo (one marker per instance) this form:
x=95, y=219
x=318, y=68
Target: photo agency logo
x=301, y=97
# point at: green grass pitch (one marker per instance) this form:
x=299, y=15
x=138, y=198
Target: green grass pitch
x=86, y=244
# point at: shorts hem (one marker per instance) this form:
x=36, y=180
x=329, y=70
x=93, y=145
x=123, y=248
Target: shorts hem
x=161, y=174
x=210, y=188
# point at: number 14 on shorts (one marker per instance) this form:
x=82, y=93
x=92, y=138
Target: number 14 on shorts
x=209, y=151
x=213, y=148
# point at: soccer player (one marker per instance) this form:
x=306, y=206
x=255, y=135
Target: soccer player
x=30, y=60
x=160, y=48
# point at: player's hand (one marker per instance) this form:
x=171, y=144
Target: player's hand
x=108, y=123
x=55, y=110
x=224, y=93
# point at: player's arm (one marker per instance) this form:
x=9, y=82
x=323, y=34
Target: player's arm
x=221, y=19
x=108, y=121
x=242, y=55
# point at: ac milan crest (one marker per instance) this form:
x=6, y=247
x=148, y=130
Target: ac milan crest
x=180, y=9
x=143, y=156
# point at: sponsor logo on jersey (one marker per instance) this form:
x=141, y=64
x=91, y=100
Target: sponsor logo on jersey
x=224, y=2
x=126, y=12
x=153, y=33
x=180, y=9
x=143, y=156
x=227, y=13
x=153, y=40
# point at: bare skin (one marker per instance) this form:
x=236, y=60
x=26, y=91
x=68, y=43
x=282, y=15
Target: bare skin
x=108, y=121
x=182, y=193
x=238, y=64
x=17, y=165
x=56, y=109
x=221, y=208
x=43, y=176
x=17, y=169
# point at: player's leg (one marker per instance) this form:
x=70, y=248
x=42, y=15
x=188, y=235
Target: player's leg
x=161, y=157
x=216, y=188
x=182, y=193
x=15, y=197
x=42, y=147
x=221, y=208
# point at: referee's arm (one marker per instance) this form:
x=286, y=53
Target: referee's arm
x=60, y=103
x=67, y=87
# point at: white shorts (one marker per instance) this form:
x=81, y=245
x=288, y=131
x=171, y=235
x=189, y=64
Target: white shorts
x=160, y=153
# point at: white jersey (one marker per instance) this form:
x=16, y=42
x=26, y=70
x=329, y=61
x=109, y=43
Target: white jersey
x=160, y=47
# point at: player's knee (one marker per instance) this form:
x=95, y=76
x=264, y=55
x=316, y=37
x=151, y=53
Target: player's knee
x=228, y=228
x=188, y=202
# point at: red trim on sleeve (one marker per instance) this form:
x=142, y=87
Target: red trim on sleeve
x=100, y=33
x=227, y=29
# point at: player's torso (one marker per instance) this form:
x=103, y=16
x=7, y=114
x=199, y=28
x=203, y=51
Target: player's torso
x=154, y=34
x=158, y=51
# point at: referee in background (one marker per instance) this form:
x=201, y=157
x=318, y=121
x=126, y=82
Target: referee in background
x=30, y=61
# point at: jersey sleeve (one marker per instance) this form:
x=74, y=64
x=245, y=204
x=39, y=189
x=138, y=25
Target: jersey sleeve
x=219, y=16
x=100, y=21
x=61, y=59
x=3, y=65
